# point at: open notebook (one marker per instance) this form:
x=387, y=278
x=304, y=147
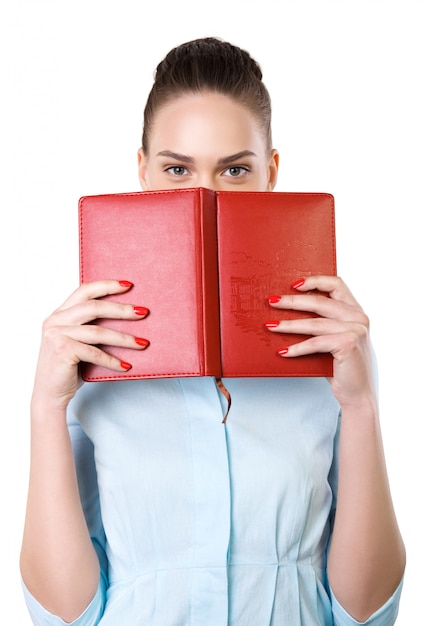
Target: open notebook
x=204, y=263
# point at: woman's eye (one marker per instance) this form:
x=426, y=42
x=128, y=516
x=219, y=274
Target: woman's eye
x=177, y=170
x=236, y=170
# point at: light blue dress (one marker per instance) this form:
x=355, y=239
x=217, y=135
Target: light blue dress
x=200, y=523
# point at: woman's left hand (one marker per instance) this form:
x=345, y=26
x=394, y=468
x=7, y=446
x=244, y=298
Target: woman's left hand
x=342, y=329
x=363, y=575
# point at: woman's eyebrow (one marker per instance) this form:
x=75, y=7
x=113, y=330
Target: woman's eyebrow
x=236, y=157
x=176, y=156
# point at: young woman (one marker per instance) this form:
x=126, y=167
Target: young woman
x=143, y=507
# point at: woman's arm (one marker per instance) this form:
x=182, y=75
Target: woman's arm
x=367, y=557
x=58, y=562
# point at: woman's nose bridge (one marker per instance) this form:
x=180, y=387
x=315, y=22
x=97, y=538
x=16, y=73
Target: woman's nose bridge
x=206, y=179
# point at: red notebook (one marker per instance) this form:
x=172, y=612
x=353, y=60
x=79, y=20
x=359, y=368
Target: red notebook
x=204, y=264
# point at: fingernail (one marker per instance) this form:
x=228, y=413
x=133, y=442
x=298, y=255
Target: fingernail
x=274, y=299
x=272, y=324
x=141, y=342
x=126, y=366
x=125, y=283
x=282, y=351
x=298, y=283
x=141, y=310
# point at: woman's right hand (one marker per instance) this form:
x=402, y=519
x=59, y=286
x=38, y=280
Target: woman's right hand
x=68, y=337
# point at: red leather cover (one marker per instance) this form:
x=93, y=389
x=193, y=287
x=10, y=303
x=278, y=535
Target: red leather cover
x=185, y=249
x=267, y=241
x=165, y=243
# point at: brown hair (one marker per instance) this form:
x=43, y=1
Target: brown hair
x=209, y=64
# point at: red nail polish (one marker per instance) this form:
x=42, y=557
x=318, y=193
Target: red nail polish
x=141, y=342
x=125, y=283
x=126, y=366
x=272, y=324
x=274, y=299
x=282, y=351
x=298, y=283
x=141, y=310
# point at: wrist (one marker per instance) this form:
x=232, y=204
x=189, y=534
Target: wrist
x=364, y=408
x=45, y=409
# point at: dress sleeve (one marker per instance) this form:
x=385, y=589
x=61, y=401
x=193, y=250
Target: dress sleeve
x=83, y=451
x=385, y=616
x=90, y=617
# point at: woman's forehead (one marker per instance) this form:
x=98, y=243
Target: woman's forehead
x=205, y=122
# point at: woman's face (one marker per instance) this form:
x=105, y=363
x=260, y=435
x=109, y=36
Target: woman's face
x=207, y=140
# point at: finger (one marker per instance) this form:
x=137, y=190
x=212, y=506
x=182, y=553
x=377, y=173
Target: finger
x=81, y=352
x=309, y=326
x=95, y=289
x=93, y=334
x=314, y=345
x=82, y=344
x=332, y=285
x=91, y=310
x=320, y=305
x=339, y=345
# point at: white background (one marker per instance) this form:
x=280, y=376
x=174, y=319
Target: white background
x=349, y=83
